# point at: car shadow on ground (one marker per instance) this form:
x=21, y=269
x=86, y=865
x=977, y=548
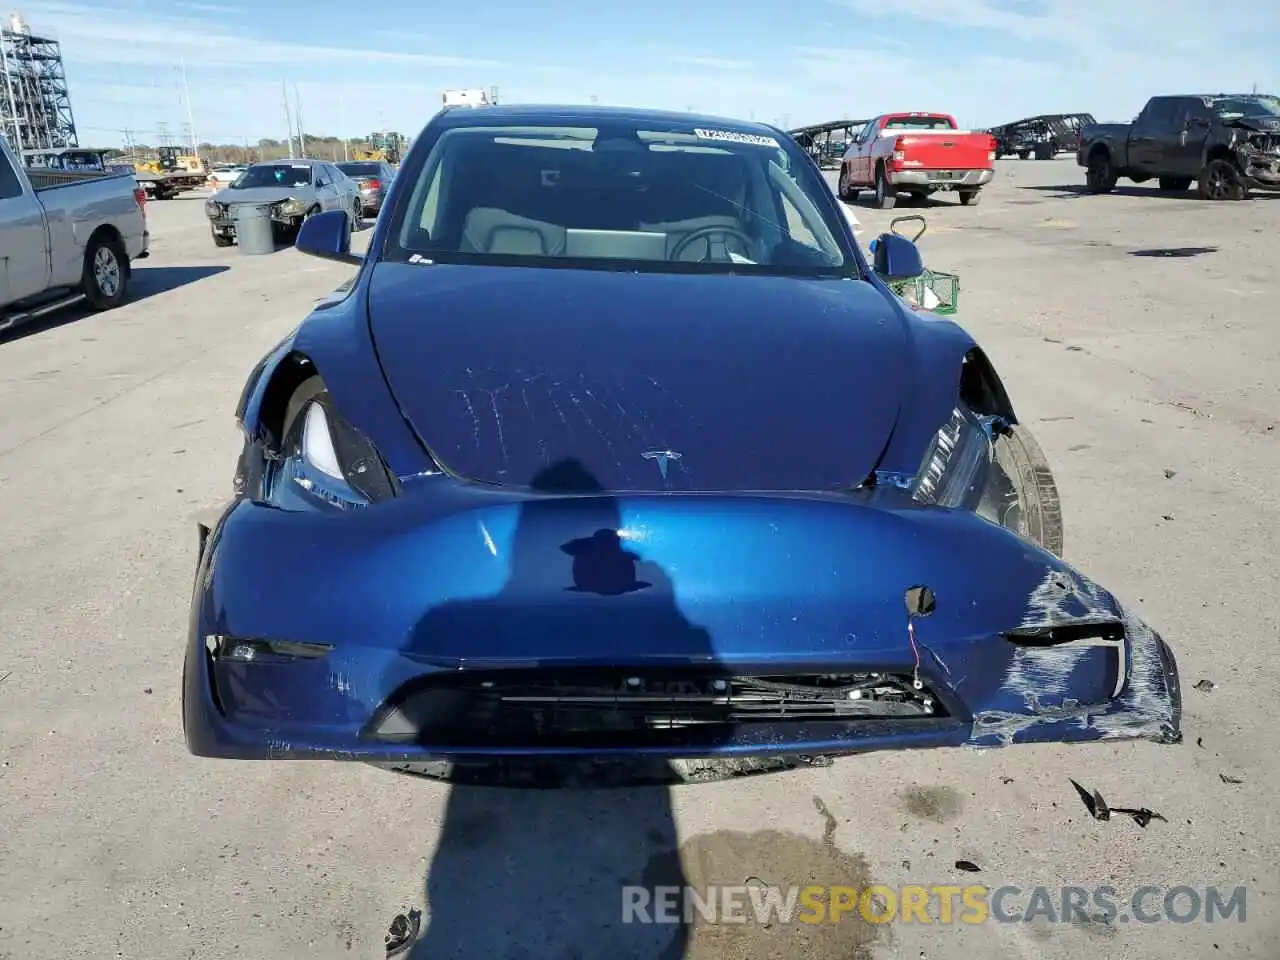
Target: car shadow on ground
x=535, y=857
x=1072, y=191
x=146, y=282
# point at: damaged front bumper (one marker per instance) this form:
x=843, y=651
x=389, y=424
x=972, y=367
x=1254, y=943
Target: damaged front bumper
x=476, y=628
x=1257, y=148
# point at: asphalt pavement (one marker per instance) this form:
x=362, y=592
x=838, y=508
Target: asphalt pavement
x=1152, y=383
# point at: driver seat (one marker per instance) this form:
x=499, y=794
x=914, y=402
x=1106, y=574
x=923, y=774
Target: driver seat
x=696, y=193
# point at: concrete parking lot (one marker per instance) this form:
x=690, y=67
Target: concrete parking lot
x=1153, y=384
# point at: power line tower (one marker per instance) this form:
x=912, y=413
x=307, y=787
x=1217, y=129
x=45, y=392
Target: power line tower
x=163, y=137
x=35, y=103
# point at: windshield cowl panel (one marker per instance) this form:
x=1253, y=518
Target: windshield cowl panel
x=643, y=197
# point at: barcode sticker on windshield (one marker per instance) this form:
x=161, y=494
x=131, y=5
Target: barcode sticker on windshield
x=731, y=136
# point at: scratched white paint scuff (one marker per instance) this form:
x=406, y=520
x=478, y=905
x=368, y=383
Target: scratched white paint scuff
x=1065, y=598
x=1144, y=706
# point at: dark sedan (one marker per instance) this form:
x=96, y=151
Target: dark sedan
x=373, y=177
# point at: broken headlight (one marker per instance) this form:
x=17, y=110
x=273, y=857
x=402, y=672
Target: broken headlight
x=329, y=460
x=213, y=210
x=960, y=468
x=291, y=208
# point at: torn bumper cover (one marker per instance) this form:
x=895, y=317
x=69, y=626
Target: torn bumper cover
x=482, y=626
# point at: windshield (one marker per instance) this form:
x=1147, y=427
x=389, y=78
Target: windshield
x=359, y=169
x=1231, y=107
x=680, y=199
x=275, y=175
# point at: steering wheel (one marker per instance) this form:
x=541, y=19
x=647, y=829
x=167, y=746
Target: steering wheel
x=707, y=233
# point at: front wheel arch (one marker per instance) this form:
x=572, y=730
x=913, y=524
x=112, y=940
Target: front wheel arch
x=981, y=388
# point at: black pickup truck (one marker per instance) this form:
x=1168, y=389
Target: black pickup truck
x=1228, y=143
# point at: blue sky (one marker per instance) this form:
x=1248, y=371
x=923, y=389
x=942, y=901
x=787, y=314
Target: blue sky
x=360, y=67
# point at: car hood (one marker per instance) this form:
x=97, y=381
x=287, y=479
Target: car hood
x=641, y=382
x=261, y=194
x=1263, y=123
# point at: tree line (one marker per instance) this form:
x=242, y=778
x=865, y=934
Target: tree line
x=317, y=147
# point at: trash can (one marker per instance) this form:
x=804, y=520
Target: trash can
x=254, y=231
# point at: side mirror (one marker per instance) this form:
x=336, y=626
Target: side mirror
x=896, y=258
x=328, y=236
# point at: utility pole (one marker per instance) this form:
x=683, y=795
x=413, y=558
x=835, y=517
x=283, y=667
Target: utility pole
x=288, y=118
x=342, y=124
x=191, y=123
x=302, y=139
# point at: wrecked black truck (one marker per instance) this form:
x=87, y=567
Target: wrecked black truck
x=1228, y=143
x=1043, y=137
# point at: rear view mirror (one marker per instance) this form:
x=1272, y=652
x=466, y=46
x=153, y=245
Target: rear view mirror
x=896, y=258
x=328, y=236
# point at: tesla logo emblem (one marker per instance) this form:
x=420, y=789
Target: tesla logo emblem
x=664, y=458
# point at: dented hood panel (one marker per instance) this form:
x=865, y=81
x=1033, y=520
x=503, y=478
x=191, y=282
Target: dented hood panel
x=648, y=382
x=1263, y=123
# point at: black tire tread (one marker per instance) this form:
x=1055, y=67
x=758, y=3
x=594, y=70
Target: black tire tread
x=1020, y=456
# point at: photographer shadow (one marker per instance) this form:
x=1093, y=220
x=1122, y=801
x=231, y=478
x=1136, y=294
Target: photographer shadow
x=533, y=873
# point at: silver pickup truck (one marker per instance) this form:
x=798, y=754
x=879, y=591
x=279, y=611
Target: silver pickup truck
x=66, y=243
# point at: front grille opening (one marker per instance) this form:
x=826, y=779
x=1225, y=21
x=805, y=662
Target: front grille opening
x=599, y=707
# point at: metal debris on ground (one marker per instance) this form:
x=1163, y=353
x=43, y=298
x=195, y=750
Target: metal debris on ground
x=403, y=932
x=1170, y=474
x=1205, y=685
x=1229, y=779
x=1173, y=252
x=968, y=866
x=1099, y=810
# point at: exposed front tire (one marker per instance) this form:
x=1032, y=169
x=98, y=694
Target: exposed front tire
x=1034, y=510
x=1101, y=176
x=970, y=198
x=1023, y=154
x=886, y=199
x=105, y=280
x=1221, y=180
x=1174, y=184
x=357, y=215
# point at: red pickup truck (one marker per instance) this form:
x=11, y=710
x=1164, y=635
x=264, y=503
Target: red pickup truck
x=919, y=154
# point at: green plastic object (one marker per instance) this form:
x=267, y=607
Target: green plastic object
x=945, y=287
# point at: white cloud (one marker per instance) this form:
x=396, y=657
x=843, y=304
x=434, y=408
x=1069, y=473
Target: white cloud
x=1101, y=55
x=711, y=63
x=123, y=36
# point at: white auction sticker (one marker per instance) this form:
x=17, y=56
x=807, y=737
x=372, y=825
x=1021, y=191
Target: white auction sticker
x=732, y=136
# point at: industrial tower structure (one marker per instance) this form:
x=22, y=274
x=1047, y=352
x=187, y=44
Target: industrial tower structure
x=35, y=104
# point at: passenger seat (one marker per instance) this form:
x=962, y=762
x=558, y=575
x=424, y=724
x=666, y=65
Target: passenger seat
x=490, y=230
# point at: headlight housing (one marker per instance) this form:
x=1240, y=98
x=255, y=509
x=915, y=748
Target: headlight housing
x=212, y=209
x=323, y=458
x=960, y=469
x=291, y=207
